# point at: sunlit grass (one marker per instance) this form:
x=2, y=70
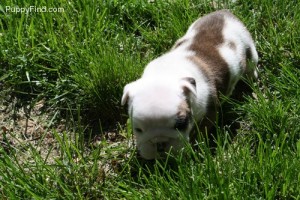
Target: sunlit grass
x=79, y=61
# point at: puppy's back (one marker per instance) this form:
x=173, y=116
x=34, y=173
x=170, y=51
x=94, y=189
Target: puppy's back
x=221, y=45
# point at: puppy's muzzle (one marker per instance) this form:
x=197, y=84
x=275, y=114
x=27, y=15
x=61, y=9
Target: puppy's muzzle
x=161, y=147
x=161, y=143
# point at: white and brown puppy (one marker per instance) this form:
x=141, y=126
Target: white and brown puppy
x=181, y=87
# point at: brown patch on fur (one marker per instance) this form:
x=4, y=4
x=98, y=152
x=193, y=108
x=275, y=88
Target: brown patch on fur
x=204, y=68
x=183, y=109
x=206, y=42
x=213, y=103
x=183, y=117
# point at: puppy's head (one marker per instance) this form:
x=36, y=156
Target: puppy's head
x=161, y=114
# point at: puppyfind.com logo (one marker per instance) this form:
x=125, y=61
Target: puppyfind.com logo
x=33, y=9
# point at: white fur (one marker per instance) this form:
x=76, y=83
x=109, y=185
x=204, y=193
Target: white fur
x=234, y=31
x=153, y=100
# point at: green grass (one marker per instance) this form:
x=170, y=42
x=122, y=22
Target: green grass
x=79, y=61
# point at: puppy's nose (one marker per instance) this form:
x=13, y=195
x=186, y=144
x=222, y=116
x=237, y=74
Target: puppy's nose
x=161, y=146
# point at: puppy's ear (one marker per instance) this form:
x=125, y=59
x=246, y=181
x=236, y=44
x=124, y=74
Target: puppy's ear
x=189, y=86
x=127, y=92
x=125, y=96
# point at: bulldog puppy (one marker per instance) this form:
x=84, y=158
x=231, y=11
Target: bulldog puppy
x=181, y=87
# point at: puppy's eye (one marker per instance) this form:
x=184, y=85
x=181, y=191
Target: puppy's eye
x=138, y=130
x=182, y=123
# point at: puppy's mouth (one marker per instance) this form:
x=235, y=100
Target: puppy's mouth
x=155, y=148
x=159, y=147
x=161, y=143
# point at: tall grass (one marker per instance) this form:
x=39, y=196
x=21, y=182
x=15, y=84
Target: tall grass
x=79, y=60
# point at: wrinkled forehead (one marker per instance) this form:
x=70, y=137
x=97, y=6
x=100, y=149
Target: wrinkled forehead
x=154, y=122
x=163, y=111
x=156, y=105
x=158, y=102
